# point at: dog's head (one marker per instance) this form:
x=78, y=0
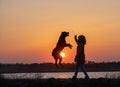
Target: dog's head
x=65, y=34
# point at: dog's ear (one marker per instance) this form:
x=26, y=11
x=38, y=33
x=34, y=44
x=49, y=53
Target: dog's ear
x=63, y=32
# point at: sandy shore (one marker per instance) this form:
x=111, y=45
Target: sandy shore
x=52, y=82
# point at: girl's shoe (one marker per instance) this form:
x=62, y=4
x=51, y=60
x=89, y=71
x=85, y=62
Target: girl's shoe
x=86, y=77
x=74, y=78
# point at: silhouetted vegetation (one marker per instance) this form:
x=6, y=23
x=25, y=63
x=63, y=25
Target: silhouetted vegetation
x=50, y=67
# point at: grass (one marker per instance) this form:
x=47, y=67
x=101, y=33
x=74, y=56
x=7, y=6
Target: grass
x=113, y=76
x=2, y=76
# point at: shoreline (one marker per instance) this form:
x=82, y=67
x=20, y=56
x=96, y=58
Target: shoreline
x=56, y=71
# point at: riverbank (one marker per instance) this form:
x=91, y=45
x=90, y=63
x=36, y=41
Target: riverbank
x=52, y=82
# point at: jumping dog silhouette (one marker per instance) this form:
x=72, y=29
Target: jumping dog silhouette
x=61, y=44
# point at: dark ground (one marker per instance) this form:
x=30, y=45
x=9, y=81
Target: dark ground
x=52, y=82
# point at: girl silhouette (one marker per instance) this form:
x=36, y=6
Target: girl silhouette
x=80, y=56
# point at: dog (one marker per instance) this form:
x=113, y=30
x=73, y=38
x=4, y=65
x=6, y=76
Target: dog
x=61, y=44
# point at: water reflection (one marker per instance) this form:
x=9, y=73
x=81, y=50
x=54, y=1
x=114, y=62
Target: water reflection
x=61, y=75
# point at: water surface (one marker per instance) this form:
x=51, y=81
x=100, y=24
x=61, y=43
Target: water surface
x=62, y=75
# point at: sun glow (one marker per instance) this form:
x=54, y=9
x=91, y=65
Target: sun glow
x=62, y=54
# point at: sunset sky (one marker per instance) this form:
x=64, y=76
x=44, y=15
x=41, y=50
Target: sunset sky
x=29, y=29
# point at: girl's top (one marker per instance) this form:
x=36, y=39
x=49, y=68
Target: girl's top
x=80, y=55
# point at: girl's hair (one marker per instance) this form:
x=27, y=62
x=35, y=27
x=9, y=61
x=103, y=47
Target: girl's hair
x=82, y=39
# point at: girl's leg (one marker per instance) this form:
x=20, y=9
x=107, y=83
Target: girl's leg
x=84, y=70
x=76, y=70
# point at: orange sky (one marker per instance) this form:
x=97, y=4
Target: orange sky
x=29, y=29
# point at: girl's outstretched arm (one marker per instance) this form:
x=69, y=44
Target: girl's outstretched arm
x=75, y=37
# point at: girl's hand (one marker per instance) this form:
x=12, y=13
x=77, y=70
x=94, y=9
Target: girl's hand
x=75, y=36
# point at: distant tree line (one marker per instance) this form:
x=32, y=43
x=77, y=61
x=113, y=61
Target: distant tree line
x=50, y=67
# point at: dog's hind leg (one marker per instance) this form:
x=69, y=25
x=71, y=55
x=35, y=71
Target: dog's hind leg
x=56, y=60
x=60, y=62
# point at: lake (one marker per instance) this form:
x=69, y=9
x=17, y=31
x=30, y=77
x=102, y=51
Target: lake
x=61, y=75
